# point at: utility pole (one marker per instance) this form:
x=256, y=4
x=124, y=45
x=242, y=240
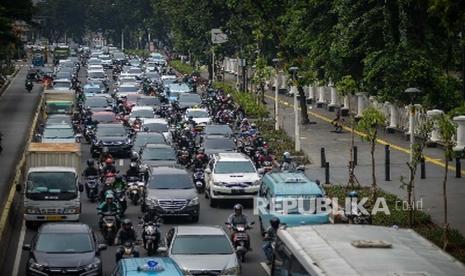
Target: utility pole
x=276, y=62
x=122, y=40
x=293, y=70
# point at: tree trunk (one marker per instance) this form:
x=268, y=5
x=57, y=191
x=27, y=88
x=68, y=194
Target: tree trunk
x=262, y=93
x=374, y=187
x=303, y=106
x=445, y=239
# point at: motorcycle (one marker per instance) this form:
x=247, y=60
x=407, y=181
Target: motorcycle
x=29, y=86
x=184, y=157
x=241, y=239
x=199, y=180
x=92, y=184
x=128, y=250
x=109, y=227
x=151, y=236
x=360, y=219
x=135, y=189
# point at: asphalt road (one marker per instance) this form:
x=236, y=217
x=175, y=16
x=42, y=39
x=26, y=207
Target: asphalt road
x=208, y=216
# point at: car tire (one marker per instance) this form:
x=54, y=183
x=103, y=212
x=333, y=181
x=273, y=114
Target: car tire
x=30, y=225
x=213, y=202
x=195, y=218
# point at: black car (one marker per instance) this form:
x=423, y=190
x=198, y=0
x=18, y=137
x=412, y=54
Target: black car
x=170, y=191
x=218, y=144
x=64, y=249
x=115, y=137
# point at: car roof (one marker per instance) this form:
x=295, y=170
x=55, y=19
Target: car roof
x=231, y=156
x=168, y=170
x=285, y=183
x=142, y=107
x=110, y=125
x=55, y=227
x=128, y=84
x=196, y=109
x=154, y=121
x=132, y=266
x=200, y=230
x=149, y=134
x=158, y=146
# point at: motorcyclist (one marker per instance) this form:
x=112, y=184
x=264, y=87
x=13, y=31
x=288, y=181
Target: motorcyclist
x=119, y=183
x=237, y=217
x=287, y=164
x=191, y=122
x=183, y=142
x=267, y=157
x=91, y=170
x=184, y=155
x=29, y=85
x=133, y=170
x=269, y=238
x=108, y=167
x=124, y=235
x=105, y=154
x=201, y=159
x=108, y=206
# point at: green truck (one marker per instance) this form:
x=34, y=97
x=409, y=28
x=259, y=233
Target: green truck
x=60, y=52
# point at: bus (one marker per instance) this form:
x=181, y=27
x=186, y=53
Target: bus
x=336, y=249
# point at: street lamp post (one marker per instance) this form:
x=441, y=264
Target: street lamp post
x=412, y=92
x=294, y=70
x=276, y=94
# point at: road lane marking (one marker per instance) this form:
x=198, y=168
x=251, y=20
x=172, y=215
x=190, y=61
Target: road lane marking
x=431, y=160
x=266, y=268
x=19, y=248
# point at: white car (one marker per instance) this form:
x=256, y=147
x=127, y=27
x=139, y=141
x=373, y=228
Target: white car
x=126, y=89
x=97, y=67
x=231, y=176
x=96, y=76
x=143, y=112
x=159, y=125
x=199, y=115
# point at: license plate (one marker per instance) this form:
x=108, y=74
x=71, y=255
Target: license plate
x=54, y=218
x=237, y=191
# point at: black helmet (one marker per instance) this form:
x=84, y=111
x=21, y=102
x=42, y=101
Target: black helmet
x=90, y=162
x=238, y=207
x=274, y=221
x=127, y=223
x=119, y=177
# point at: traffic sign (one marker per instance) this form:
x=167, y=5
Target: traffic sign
x=218, y=36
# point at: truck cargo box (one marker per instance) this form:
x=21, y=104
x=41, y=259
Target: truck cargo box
x=59, y=95
x=63, y=155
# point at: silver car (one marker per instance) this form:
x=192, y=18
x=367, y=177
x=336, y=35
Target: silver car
x=202, y=250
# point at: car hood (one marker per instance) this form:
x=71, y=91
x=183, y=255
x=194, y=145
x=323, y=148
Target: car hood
x=236, y=178
x=172, y=193
x=214, y=151
x=112, y=139
x=64, y=260
x=58, y=140
x=205, y=262
x=158, y=163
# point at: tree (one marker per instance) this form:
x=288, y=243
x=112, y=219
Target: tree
x=447, y=130
x=423, y=134
x=347, y=87
x=371, y=120
x=262, y=73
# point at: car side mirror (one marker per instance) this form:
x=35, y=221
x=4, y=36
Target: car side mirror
x=26, y=246
x=208, y=170
x=81, y=187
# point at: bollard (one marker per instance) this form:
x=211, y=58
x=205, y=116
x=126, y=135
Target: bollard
x=355, y=155
x=387, y=163
x=458, y=168
x=327, y=173
x=323, y=157
x=423, y=168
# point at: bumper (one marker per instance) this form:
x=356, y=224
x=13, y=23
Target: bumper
x=113, y=149
x=222, y=192
x=187, y=211
x=60, y=217
x=60, y=271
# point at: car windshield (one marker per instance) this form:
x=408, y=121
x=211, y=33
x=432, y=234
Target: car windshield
x=234, y=167
x=143, y=113
x=219, y=143
x=104, y=118
x=190, y=98
x=148, y=101
x=158, y=154
x=134, y=71
x=94, y=62
x=51, y=182
x=63, y=75
x=64, y=243
x=218, y=129
x=59, y=120
x=128, y=89
x=201, y=245
x=142, y=140
x=119, y=56
x=117, y=130
x=171, y=181
x=58, y=133
x=96, y=102
x=92, y=89
x=154, y=127
x=197, y=114
x=96, y=74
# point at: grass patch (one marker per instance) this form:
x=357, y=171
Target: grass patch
x=182, y=67
x=423, y=224
x=137, y=52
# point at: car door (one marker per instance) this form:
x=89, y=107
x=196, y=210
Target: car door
x=208, y=176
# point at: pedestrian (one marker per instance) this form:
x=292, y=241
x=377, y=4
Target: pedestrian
x=337, y=121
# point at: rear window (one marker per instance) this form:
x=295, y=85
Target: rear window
x=171, y=181
x=201, y=245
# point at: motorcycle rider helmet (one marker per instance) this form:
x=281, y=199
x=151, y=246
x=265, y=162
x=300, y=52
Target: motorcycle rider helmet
x=274, y=222
x=118, y=177
x=127, y=224
x=201, y=150
x=238, y=209
x=90, y=163
x=352, y=194
x=109, y=197
x=287, y=155
x=108, y=161
x=253, y=125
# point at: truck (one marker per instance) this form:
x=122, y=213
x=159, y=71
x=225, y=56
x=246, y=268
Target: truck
x=52, y=187
x=60, y=52
x=59, y=101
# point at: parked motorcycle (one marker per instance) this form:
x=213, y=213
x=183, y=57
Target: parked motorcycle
x=92, y=184
x=199, y=180
x=241, y=239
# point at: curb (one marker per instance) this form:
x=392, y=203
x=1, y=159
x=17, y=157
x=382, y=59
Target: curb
x=8, y=82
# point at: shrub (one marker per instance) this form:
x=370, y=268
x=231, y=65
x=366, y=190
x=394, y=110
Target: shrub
x=182, y=67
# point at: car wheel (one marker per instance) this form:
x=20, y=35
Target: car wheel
x=213, y=202
x=195, y=218
x=30, y=224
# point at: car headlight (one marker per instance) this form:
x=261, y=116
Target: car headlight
x=72, y=210
x=93, y=266
x=35, y=266
x=32, y=210
x=235, y=270
x=194, y=201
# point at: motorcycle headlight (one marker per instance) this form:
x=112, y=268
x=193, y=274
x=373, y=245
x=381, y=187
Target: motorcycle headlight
x=32, y=210
x=235, y=270
x=93, y=266
x=73, y=210
x=35, y=266
x=194, y=201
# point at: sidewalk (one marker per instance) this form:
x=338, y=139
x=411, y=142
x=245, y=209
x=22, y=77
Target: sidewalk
x=316, y=136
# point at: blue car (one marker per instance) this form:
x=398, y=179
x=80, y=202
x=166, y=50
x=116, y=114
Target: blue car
x=173, y=90
x=159, y=266
x=296, y=187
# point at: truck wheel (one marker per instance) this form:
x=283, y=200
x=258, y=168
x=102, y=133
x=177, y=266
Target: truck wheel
x=30, y=224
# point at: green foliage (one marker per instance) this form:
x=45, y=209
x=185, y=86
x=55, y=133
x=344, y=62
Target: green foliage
x=346, y=86
x=262, y=72
x=447, y=130
x=458, y=111
x=248, y=101
x=371, y=120
x=182, y=67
